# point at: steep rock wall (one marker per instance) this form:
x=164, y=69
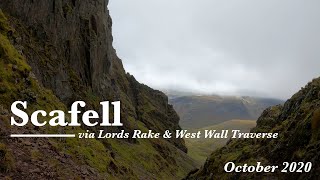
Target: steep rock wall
x=68, y=44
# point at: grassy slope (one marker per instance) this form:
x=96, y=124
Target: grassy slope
x=200, y=149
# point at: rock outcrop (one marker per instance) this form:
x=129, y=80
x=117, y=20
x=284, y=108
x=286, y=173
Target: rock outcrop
x=68, y=44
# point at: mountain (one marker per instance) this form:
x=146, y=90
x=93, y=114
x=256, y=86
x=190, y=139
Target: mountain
x=200, y=149
x=297, y=122
x=206, y=110
x=55, y=52
x=172, y=94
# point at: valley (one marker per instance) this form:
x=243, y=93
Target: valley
x=219, y=113
x=70, y=110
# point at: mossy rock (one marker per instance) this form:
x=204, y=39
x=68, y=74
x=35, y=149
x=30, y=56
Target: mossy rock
x=4, y=27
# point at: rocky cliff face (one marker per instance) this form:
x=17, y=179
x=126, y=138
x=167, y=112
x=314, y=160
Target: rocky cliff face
x=66, y=47
x=297, y=123
x=68, y=44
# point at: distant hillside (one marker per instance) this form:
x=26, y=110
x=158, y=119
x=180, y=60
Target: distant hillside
x=298, y=125
x=202, y=111
x=200, y=149
x=172, y=94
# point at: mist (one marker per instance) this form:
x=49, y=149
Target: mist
x=255, y=48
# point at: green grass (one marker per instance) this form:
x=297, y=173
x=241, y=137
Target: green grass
x=200, y=149
x=147, y=162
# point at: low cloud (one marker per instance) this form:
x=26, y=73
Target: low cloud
x=261, y=48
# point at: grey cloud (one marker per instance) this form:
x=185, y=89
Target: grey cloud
x=266, y=48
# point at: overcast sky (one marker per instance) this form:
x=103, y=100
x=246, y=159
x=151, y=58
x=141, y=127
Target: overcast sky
x=248, y=47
